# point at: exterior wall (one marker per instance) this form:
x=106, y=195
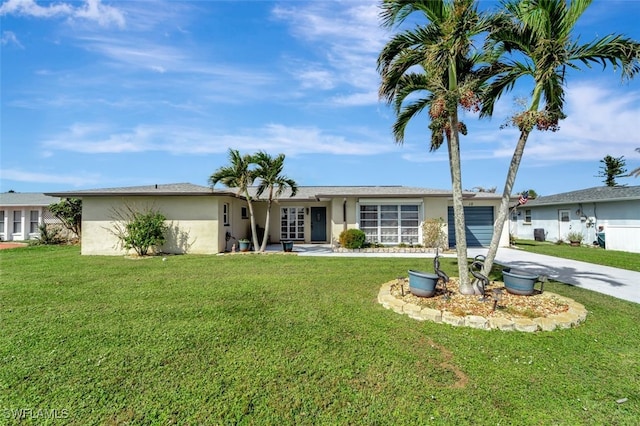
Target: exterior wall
x=620, y=220
x=275, y=217
x=24, y=228
x=192, y=221
x=431, y=208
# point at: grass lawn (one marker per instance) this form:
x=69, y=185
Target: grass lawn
x=598, y=256
x=275, y=339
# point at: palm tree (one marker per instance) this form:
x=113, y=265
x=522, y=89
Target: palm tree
x=635, y=172
x=539, y=35
x=269, y=172
x=238, y=175
x=432, y=67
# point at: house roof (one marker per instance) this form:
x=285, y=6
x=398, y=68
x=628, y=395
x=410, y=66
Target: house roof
x=161, y=189
x=303, y=193
x=590, y=195
x=26, y=199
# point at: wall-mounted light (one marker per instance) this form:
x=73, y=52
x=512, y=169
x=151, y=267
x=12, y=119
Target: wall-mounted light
x=306, y=210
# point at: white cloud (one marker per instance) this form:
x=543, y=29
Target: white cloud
x=348, y=38
x=8, y=37
x=98, y=139
x=17, y=175
x=91, y=10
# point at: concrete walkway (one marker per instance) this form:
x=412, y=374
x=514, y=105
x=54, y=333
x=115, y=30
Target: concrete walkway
x=619, y=283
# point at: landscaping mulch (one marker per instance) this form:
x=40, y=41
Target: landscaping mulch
x=509, y=306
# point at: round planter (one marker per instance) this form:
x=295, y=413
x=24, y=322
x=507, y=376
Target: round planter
x=287, y=246
x=521, y=284
x=422, y=284
x=244, y=245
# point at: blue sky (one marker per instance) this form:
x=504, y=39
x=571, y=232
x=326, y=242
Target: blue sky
x=119, y=93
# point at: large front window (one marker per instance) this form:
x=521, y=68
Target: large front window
x=292, y=223
x=390, y=223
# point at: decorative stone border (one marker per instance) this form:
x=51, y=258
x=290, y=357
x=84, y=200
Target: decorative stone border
x=386, y=250
x=576, y=314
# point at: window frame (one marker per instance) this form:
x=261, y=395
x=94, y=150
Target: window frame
x=391, y=223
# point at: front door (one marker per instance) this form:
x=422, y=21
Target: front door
x=318, y=224
x=564, y=223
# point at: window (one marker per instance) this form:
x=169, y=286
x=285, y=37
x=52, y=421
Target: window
x=244, y=212
x=2, y=221
x=225, y=214
x=390, y=223
x=34, y=222
x=527, y=216
x=17, y=222
x=292, y=223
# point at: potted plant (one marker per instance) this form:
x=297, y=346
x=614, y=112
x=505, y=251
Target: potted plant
x=244, y=244
x=520, y=283
x=287, y=246
x=422, y=284
x=575, y=238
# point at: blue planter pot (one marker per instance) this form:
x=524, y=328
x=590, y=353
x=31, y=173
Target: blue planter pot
x=244, y=245
x=422, y=284
x=287, y=246
x=521, y=284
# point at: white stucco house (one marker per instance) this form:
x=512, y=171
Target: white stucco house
x=22, y=213
x=207, y=221
x=614, y=211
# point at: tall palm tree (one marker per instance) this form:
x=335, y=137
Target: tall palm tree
x=539, y=36
x=269, y=171
x=432, y=67
x=238, y=175
x=635, y=172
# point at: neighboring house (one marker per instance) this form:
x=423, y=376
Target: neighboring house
x=615, y=211
x=207, y=221
x=22, y=213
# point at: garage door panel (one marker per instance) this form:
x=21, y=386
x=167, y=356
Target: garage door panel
x=478, y=226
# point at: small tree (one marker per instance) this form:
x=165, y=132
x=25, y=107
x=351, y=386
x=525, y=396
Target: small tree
x=433, y=233
x=69, y=212
x=139, y=230
x=611, y=169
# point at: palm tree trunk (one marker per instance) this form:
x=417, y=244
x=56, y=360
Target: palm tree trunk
x=503, y=211
x=252, y=219
x=458, y=207
x=263, y=247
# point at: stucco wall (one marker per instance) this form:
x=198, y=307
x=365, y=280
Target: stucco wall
x=193, y=223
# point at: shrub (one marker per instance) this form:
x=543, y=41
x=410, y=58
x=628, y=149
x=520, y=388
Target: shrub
x=433, y=233
x=352, y=238
x=139, y=230
x=49, y=235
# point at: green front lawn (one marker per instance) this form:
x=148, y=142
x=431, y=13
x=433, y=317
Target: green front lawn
x=277, y=339
x=613, y=258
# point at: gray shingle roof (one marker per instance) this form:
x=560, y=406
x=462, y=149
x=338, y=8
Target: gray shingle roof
x=304, y=192
x=26, y=199
x=590, y=195
x=161, y=189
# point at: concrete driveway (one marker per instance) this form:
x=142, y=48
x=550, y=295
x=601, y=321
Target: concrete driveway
x=619, y=283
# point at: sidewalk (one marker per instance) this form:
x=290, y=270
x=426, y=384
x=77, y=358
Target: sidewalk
x=619, y=283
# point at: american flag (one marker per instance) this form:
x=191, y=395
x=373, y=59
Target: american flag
x=524, y=197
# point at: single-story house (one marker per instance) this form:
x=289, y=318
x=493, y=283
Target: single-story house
x=208, y=221
x=21, y=214
x=613, y=213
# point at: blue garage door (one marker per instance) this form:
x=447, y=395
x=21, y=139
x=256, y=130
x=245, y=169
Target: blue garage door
x=479, y=226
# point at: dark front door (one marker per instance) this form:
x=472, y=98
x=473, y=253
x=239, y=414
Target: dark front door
x=318, y=224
